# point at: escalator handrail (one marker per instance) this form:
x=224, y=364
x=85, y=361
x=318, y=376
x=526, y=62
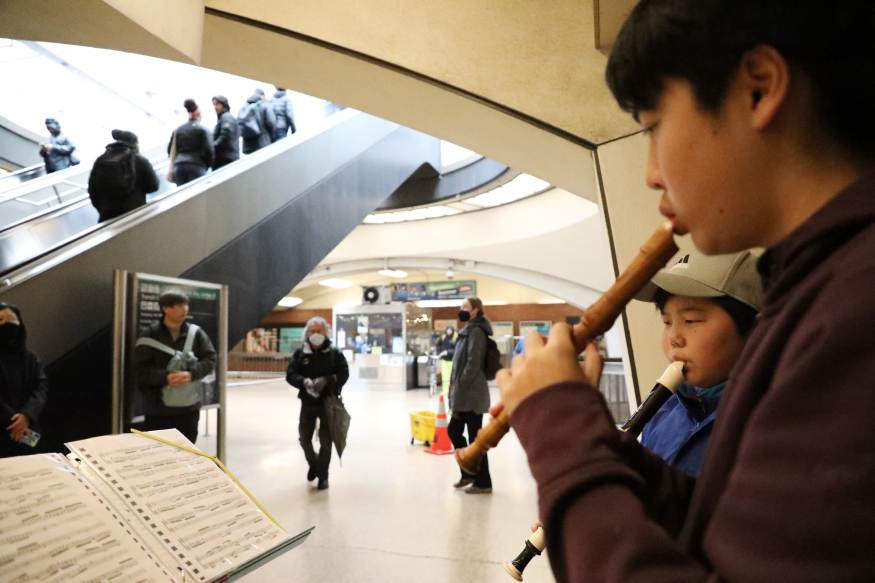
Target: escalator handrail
x=158, y=162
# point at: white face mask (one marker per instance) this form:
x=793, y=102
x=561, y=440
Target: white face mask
x=317, y=340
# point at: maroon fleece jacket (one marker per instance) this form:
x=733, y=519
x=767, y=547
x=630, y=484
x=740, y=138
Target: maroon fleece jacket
x=787, y=490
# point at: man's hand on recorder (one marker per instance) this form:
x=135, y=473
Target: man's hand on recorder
x=547, y=361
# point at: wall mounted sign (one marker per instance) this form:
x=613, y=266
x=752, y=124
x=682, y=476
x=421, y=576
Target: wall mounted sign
x=433, y=290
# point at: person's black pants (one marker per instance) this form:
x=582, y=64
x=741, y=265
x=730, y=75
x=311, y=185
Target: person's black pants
x=186, y=423
x=306, y=428
x=184, y=173
x=473, y=421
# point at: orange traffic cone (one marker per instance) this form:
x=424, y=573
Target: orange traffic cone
x=441, y=444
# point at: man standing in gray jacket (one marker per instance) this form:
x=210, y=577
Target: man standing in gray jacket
x=257, y=122
x=57, y=150
x=469, y=392
x=284, y=112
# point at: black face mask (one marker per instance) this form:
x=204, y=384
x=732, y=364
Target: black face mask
x=464, y=315
x=9, y=334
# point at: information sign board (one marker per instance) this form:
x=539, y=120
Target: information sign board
x=433, y=290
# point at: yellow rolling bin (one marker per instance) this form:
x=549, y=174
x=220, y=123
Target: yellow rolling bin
x=422, y=426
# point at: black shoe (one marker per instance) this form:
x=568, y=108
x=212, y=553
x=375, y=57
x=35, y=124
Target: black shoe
x=311, y=475
x=323, y=484
x=463, y=482
x=478, y=490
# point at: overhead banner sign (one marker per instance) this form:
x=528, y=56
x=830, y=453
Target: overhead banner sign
x=433, y=290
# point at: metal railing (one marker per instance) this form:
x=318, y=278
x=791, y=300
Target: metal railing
x=255, y=364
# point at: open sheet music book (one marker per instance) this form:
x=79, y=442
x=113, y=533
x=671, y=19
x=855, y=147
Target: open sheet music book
x=127, y=508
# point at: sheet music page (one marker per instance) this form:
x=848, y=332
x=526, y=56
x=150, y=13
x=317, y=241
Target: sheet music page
x=189, y=504
x=161, y=554
x=56, y=528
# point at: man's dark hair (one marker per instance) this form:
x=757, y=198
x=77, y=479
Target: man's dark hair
x=223, y=100
x=172, y=297
x=190, y=105
x=703, y=41
x=743, y=316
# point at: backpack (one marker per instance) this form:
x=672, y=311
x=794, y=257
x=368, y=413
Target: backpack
x=492, y=362
x=181, y=395
x=247, y=119
x=114, y=174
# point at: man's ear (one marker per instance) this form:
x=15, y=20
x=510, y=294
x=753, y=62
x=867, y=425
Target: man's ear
x=765, y=76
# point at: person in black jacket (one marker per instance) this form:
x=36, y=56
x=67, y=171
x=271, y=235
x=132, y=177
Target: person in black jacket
x=264, y=119
x=226, y=134
x=317, y=369
x=284, y=112
x=121, y=177
x=194, y=147
x=23, y=384
x=150, y=367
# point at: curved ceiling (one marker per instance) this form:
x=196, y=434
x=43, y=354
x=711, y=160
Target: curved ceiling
x=521, y=83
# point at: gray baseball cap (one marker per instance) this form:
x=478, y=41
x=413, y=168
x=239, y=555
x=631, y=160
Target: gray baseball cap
x=702, y=276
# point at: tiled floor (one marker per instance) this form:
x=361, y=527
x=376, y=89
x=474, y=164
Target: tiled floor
x=391, y=514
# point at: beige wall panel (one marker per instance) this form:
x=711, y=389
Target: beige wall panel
x=183, y=31
x=609, y=18
x=634, y=215
x=92, y=23
x=534, y=56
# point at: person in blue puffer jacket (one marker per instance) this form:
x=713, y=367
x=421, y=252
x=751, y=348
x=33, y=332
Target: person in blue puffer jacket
x=709, y=306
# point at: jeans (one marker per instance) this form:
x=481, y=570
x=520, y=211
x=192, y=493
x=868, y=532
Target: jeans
x=306, y=428
x=186, y=423
x=473, y=421
x=184, y=172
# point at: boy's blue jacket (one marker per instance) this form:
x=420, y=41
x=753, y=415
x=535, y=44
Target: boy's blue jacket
x=680, y=430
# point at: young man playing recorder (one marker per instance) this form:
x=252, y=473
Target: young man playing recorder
x=757, y=112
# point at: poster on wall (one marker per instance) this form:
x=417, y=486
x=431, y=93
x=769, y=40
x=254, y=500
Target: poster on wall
x=502, y=329
x=291, y=338
x=529, y=326
x=433, y=290
x=441, y=325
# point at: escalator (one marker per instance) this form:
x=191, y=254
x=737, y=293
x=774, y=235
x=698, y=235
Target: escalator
x=259, y=225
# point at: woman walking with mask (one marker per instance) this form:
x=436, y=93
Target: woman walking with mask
x=469, y=392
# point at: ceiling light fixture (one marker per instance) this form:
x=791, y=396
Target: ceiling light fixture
x=336, y=283
x=288, y=302
x=396, y=273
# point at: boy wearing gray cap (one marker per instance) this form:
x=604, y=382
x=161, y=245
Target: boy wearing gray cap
x=708, y=306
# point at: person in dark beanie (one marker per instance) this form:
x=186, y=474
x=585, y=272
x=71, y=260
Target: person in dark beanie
x=193, y=153
x=257, y=122
x=226, y=134
x=284, y=112
x=172, y=395
x=23, y=386
x=57, y=150
x=121, y=177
